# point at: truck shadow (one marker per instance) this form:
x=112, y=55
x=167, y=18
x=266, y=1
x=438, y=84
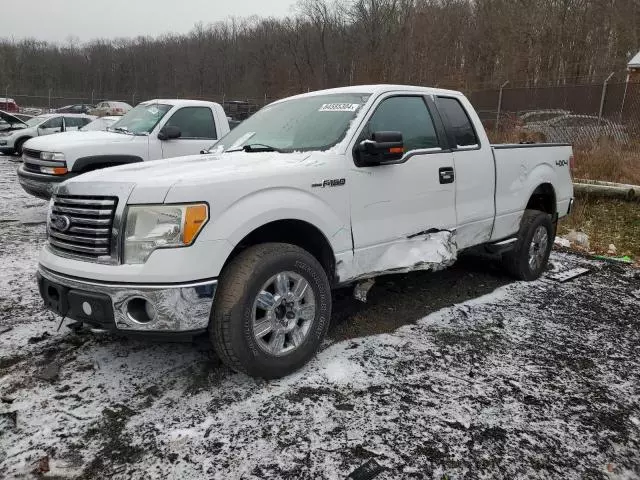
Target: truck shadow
x=401, y=299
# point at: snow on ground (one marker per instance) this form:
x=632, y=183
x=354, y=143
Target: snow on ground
x=538, y=380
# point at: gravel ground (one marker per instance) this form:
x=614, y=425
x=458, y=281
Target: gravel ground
x=459, y=374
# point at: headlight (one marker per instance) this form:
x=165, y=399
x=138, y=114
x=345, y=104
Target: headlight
x=150, y=227
x=51, y=156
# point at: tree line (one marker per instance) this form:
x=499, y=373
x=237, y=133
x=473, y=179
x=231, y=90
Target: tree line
x=462, y=44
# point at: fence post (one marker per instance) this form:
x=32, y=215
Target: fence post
x=6, y=98
x=92, y=92
x=500, y=103
x=133, y=99
x=602, y=99
x=49, y=99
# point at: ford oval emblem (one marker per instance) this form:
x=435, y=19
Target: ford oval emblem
x=61, y=223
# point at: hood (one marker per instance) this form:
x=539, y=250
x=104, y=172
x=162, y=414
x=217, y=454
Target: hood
x=154, y=179
x=14, y=122
x=60, y=142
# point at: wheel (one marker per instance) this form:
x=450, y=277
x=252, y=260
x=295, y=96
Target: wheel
x=531, y=253
x=271, y=311
x=18, y=146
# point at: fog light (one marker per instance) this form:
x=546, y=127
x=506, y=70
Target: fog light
x=140, y=310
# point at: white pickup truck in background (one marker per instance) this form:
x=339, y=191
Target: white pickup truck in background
x=312, y=192
x=152, y=130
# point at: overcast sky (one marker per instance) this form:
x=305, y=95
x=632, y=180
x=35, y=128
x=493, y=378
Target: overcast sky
x=57, y=20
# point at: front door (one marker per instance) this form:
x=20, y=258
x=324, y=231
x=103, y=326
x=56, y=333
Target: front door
x=53, y=125
x=197, y=128
x=392, y=206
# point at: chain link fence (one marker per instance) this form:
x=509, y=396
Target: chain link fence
x=579, y=114
x=238, y=108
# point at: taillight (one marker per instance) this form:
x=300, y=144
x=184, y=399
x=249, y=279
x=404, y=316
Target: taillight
x=572, y=163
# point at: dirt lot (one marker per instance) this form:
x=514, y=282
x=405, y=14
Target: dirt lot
x=460, y=374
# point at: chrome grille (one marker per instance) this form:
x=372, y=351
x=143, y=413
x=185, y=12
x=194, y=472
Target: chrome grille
x=82, y=225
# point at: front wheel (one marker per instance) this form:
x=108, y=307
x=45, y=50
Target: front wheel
x=531, y=253
x=272, y=310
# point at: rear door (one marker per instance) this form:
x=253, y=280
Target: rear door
x=474, y=171
x=198, y=132
x=393, y=204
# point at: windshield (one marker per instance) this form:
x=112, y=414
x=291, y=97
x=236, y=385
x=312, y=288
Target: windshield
x=35, y=121
x=302, y=124
x=142, y=119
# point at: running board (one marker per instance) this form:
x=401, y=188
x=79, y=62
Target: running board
x=501, y=246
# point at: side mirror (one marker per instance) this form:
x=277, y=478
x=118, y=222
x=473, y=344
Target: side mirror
x=168, y=133
x=383, y=147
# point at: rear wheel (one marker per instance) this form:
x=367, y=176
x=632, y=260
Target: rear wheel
x=272, y=310
x=530, y=255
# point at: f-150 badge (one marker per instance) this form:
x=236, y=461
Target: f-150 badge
x=338, y=182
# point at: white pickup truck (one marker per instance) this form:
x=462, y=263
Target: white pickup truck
x=315, y=191
x=153, y=130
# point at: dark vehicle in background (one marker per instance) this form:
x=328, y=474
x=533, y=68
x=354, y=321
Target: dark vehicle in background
x=77, y=108
x=240, y=109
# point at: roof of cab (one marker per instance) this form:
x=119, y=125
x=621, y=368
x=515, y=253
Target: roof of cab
x=175, y=101
x=377, y=90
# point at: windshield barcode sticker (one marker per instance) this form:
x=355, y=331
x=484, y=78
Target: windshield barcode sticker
x=339, y=107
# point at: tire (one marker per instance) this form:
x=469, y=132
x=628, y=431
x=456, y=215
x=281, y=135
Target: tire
x=18, y=146
x=534, y=228
x=238, y=319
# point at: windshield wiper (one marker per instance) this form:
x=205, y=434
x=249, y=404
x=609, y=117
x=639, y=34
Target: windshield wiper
x=121, y=130
x=256, y=147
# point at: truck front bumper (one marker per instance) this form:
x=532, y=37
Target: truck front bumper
x=175, y=308
x=40, y=185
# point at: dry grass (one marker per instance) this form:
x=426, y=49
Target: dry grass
x=606, y=221
x=610, y=163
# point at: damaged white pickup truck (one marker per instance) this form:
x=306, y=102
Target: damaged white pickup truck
x=315, y=191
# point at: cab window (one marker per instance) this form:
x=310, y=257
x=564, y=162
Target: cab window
x=459, y=122
x=194, y=122
x=407, y=115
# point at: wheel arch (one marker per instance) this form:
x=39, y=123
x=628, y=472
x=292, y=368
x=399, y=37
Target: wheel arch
x=295, y=232
x=543, y=198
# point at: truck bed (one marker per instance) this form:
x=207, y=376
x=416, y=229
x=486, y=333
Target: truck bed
x=519, y=170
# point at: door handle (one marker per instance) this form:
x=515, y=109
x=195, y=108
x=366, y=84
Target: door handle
x=446, y=175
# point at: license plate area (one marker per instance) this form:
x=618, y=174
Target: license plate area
x=55, y=296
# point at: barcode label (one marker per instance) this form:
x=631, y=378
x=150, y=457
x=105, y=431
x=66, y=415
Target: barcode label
x=339, y=107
